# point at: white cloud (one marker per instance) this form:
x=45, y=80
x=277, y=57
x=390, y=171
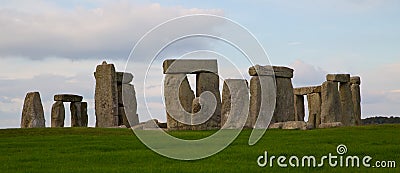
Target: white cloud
x=42, y=29
x=307, y=74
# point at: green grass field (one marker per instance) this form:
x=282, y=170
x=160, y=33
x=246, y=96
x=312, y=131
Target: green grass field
x=118, y=150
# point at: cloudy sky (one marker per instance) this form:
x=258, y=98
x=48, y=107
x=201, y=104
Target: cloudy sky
x=54, y=46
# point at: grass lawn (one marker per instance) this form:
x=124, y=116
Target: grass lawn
x=118, y=150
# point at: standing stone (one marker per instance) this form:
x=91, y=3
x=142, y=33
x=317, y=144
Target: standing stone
x=76, y=114
x=84, y=115
x=262, y=102
x=57, y=114
x=299, y=108
x=32, y=112
x=330, y=107
x=178, y=101
x=106, y=98
x=314, y=110
x=235, y=95
x=129, y=112
x=255, y=101
x=346, y=104
x=196, y=108
x=284, y=109
x=210, y=82
x=356, y=98
x=124, y=77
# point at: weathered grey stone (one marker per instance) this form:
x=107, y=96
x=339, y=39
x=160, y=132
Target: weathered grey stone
x=129, y=117
x=330, y=125
x=132, y=121
x=32, y=112
x=57, y=114
x=355, y=80
x=258, y=70
x=283, y=72
x=106, y=97
x=284, y=109
x=276, y=125
x=119, y=92
x=346, y=104
x=189, y=66
x=68, y=98
x=298, y=125
x=314, y=110
x=148, y=125
x=330, y=107
x=178, y=101
x=124, y=78
x=307, y=90
x=268, y=70
x=299, y=111
x=235, y=103
x=210, y=82
x=78, y=114
x=356, y=98
x=262, y=102
x=338, y=77
x=196, y=108
x=151, y=124
x=84, y=115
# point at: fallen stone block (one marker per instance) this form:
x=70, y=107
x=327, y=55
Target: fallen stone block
x=330, y=125
x=275, y=125
x=294, y=125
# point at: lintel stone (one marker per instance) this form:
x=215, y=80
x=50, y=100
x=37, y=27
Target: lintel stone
x=190, y=66
x=123, y=77
x=338, y=77
x=259, y=70
x=68, y=98
x=355, y=80
x=307, y=90
x=267, y=70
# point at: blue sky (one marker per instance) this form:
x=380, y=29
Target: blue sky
x=54, y=46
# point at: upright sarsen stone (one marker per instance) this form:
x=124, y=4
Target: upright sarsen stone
x=284, y=109
x=314, y=110
x=32, y=112
x=210, y=82
x=76, y=114
x=106, y=98
x=331, y=106
x=356, y=98
x=346, y=104
x=57, y=114
x=129, y=111
x=235, y=102
x=299, y=108
x=179, y=107
x=84, y=115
